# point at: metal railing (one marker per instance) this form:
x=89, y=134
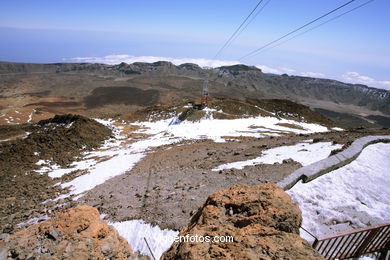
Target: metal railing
x=355, y=243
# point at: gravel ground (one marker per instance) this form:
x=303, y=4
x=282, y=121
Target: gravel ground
x=168, y=185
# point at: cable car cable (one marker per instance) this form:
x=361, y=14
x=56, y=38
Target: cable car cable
x=252, y=53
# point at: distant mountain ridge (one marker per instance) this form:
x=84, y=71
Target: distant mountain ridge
x=233, y=81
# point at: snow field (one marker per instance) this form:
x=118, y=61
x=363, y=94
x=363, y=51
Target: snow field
x=216, y=129
x=122, y=158
x=354, y=196
x=134, y=231
x=304, y=153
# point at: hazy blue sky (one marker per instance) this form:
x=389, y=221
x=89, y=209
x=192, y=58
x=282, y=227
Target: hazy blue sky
x=354, y=48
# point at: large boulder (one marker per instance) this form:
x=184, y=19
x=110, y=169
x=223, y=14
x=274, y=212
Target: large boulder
x=263, y=221
x=78, y=233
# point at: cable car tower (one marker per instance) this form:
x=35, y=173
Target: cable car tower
x=205, y=99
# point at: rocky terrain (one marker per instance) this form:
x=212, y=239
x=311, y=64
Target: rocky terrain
x=170, y=184
x=153, y=155
x=59, y=140
x=98, y=89
x=77, y=233
x=262, y=219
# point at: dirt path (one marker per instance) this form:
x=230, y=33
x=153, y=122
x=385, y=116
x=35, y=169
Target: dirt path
x=164, y=188
x=167, y=186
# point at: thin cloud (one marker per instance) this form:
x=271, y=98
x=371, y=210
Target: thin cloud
x=282, y=70
x=356, y=78
x=267, y=69
x=350, y=77
x=116, y=59
x=312, y=74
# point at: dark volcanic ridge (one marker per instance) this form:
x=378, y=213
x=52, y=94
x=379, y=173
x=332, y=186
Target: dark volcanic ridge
x=231, y=108
x=164, y=82
x=121, y=95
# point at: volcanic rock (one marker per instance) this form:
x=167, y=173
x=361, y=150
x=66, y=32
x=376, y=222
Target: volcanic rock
x=77, y=233
x=262, y=220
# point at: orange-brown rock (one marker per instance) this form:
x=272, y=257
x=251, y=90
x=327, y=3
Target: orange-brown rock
x=262, y=220
x=78, y=233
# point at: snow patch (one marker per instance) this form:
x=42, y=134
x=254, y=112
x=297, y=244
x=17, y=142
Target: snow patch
x=135, y=231
x=120, y=157
x=33, y=221
x=216, y=129
x=102, y=172
x=30, y=117
x=69, y=125
x=41, y=162
x=304, y=153
x=354, y=196
x=55, y=170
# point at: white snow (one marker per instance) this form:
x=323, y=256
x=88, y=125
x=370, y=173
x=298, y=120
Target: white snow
x=41, y=162
x=55, y=170
x=366, y=258
x=30, y=117
x=33, y=221
x=304, y=153
x=354, y=196
x=69, y=125
x=122, y=158
x=103, y=171
x=215, y=129
x=136, y=230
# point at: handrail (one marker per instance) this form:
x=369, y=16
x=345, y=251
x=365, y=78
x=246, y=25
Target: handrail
x=355, y=243
x=353, y=231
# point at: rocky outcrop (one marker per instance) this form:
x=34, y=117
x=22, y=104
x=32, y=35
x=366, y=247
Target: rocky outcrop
x=77, y=233
x=24, y=68
x=59, y=140
x=262, y=220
